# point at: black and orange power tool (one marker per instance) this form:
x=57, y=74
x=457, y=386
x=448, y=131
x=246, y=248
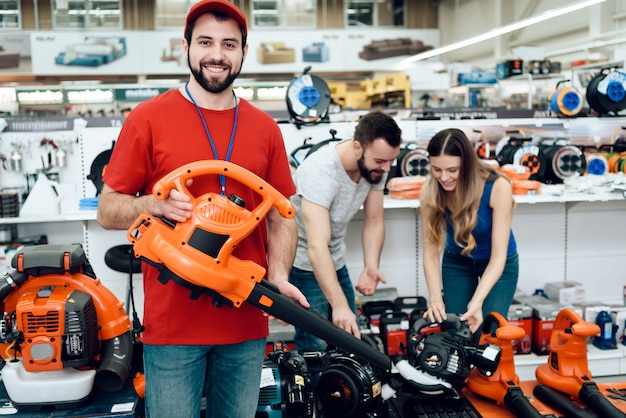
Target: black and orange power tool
x=567, y=371
x=502, y=385
x=198, y=253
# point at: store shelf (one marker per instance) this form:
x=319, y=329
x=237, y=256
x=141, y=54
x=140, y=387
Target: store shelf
x=87, y=215
x=600, y=362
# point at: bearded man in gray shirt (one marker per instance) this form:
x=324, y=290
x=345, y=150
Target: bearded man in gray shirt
x=332, y=185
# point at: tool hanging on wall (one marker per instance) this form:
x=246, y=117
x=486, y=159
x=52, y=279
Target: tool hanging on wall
x=98, y=166
x=307, y=148
x=308, y=99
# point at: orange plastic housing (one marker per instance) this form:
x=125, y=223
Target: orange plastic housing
x=200, y=249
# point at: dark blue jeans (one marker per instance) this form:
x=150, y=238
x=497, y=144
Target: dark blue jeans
x=460, y=276
x=176, y=375
x=307, y=283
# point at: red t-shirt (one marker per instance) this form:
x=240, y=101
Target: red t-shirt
x=163, y=134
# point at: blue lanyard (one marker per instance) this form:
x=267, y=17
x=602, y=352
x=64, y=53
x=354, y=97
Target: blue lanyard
x=208, y=134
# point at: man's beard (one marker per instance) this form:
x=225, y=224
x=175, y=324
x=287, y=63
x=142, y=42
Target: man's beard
x=367, y=173
x=213, y=86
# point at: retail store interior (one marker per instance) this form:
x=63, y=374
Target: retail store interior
x=539, y=87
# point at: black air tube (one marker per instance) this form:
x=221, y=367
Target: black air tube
x=117, y=355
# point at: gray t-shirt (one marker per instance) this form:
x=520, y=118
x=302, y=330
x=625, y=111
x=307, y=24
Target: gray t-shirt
x=321, y=179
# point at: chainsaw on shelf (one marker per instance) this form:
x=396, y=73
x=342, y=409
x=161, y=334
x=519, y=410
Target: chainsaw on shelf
x=61, y=331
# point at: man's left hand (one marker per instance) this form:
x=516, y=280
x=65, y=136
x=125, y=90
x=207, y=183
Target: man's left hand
x=368, y=280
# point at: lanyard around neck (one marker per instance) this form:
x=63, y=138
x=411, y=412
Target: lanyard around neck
x=208, y=134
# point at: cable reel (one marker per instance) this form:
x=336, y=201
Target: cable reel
x=595, y=160
x=563, y=160
x=415, y=163
x=606, y=92
x=565, y=101
x=516, y=150
x=308, y=99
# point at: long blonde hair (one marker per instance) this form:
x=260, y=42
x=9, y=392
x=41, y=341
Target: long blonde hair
x=464, y=199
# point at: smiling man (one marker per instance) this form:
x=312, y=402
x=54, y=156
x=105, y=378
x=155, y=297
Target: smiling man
x=332, y=185
x=191, y=344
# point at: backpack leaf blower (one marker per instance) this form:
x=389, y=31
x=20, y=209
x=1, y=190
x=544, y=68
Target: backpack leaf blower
x=62, y=329
x=503, y=385
x=567, y=371
x=197, y=254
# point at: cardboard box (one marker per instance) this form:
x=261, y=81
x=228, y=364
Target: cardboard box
x=545, y=312
x=565, y=293
x=521, y=315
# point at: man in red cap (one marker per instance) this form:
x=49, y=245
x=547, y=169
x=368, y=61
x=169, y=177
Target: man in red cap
x=192, y=343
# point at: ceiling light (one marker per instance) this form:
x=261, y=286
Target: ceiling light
x=549, y=14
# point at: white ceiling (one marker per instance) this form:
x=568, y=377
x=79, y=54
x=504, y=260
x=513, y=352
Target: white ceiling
x=577, y=35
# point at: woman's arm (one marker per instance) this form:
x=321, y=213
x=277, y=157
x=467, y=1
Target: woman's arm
x=432, y=272
x=502, y=205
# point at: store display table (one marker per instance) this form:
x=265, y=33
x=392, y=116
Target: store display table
x=122, y=404
x=489, y=409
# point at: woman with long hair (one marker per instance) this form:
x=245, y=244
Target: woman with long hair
x=466, y=208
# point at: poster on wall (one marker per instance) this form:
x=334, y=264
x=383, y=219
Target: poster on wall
x=273, y=52
x=161, y=52
x=88, y=53
x=15, y=54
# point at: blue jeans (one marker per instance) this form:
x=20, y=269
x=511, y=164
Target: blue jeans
x=176, y=376
x=308, y=285
x=460, y=276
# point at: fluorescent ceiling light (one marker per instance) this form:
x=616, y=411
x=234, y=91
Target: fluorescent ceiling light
x=548, y=14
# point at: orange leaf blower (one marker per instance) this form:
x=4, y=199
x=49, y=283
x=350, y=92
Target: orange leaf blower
x=502, y=385
x=198, y=253
x=567, y=369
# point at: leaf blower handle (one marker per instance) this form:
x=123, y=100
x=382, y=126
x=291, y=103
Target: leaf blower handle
x=591, y=396
x=177, y=179
x=519, y=404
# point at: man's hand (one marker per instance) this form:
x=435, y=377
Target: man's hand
x=177, y=206
x=345, y=319
x=291, y=291
x=368, y=280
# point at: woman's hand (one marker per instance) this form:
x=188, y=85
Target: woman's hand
x=436, y=311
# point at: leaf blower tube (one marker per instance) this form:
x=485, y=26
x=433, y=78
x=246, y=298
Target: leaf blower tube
x=10, y=282
x=117, y=355
x=267, y=298
x=557, y=401
x=591, y=396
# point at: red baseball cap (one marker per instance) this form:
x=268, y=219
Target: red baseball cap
x=223, y=6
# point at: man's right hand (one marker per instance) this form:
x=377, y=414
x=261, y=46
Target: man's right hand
x=345, y=319
x=176, y=207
